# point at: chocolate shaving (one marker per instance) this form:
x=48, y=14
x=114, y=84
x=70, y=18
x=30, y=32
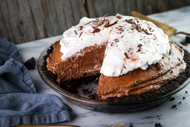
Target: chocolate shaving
x=130, y=21
x=137, y=26
x=139, y=50
x=118, y=16
x=116, y=40
x=120, y=29
x=75, y=31
x=139, y=29
x=139, y=46
x=150, y=28
x=137, y=20
x=87, y=23
x=81, y=27
x=96, y=30
x=80, y=34
x=144, y=30
x=108, y=24
x=126, y=55
x=101, y=22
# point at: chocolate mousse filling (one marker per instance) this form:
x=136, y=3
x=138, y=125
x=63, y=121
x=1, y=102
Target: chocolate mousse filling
x=84, y=64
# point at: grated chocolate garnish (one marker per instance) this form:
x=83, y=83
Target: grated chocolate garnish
x=87, y=23
x=96, y=30
x=80, y=34
x=75, y=31
x=118, y=16
x=101, y=22
x=139, y=46
x=137, y=27
x=120, y=29
x=130, y=21
x=108, y=24
x=116, y=40
x=81, y=27
x=126, y=55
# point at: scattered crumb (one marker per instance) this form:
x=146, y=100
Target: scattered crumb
x=183, y=98
x=158, y=116
x=92, y=96
x=130, y=125
x=86, y=91
x=158, y=124
x=30, y=63
x=179, y=102
x=186, y=92
x=172, y=99
x=174, y=106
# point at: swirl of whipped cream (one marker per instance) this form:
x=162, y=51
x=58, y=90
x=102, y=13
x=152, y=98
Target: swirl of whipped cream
x=131, y=43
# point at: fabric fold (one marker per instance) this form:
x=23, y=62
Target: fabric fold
x=20, y=104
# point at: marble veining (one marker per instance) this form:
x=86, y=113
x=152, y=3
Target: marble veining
x=164, y=114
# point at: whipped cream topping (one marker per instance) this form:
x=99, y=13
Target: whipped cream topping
x=89, y=32
x=131, y=43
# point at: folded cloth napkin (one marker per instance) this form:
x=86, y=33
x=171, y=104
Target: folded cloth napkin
x=19, y=102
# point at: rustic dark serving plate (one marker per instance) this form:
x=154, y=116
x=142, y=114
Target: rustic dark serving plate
x=83, y=100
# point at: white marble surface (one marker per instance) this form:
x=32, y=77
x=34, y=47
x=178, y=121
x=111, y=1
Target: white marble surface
x=169, y=117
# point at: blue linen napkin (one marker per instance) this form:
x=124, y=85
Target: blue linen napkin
x=19, y=102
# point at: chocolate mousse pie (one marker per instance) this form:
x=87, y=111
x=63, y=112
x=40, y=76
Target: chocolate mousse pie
x=130, y=56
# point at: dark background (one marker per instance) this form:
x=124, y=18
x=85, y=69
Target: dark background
x=27, y=20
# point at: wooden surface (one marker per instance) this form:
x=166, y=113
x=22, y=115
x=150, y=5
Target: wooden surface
x=27, y=20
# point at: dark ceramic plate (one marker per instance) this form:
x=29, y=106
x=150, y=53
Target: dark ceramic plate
x=82, y=100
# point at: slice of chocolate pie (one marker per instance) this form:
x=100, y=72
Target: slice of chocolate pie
x=132, y=56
